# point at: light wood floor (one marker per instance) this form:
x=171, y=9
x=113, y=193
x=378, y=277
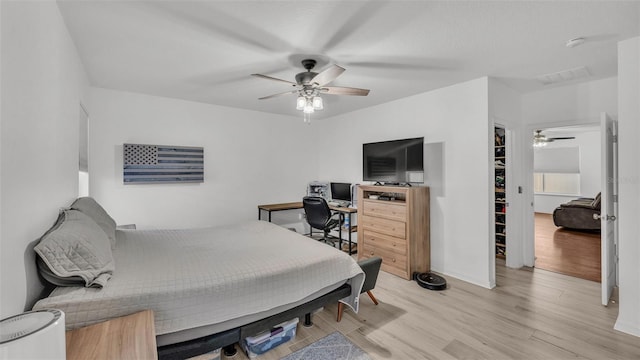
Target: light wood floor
x=568, y=252
x=532, y=314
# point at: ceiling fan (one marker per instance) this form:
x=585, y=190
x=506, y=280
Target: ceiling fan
x=540, y=140
x=309, y=85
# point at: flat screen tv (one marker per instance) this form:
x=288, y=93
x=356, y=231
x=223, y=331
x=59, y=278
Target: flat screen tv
x=394, y=162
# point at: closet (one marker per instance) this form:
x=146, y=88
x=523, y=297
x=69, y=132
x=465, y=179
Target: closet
x=500, y=192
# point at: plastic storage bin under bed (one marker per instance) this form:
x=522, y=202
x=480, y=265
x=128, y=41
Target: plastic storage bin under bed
x=267, y=340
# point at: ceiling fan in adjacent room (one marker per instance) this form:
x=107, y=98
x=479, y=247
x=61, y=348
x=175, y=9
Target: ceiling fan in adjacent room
x=309, y=85
x=540, y=140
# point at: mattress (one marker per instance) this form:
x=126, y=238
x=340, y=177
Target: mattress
x=195, y=278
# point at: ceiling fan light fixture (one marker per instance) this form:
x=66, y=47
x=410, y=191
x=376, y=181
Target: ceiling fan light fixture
x=538, y=143
x=539, y=140
x=309, y=84
x=317, y=103
x=308, y=108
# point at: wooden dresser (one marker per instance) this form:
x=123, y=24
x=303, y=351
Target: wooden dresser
x=395, y=229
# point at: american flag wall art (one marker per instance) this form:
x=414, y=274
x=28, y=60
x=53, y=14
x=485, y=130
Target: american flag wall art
x=162, y=164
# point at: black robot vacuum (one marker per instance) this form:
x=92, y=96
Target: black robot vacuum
x=430, y=281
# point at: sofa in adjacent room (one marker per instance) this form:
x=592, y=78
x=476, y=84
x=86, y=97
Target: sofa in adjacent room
x=578, y=214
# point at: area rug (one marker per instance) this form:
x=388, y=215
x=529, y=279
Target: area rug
x=331, y=347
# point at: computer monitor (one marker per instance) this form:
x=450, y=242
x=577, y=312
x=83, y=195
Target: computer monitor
x=341, y=191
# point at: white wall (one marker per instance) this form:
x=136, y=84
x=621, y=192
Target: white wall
x=546, y=203
x=505, y=110
x=629, y=185
x=588, y=143
x=251, y=158
x=573, y=104
x=454, y=123
x=43, y=83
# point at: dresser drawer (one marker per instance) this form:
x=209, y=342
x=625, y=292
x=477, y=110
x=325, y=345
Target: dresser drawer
x=391, y=262
x=385, y=242
x=385, y=210
x=384, y=226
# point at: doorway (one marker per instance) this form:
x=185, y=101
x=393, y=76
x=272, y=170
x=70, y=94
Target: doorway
x=567, y=180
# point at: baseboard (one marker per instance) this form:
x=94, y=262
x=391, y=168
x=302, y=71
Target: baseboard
x=632, y=329
x=479, y=282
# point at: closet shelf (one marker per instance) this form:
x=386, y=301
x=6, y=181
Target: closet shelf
x=500, y=156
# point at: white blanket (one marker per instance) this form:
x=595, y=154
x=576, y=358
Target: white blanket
x=198, y=277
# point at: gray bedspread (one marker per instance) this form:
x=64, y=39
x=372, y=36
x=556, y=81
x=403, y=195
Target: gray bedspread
x=198, y=277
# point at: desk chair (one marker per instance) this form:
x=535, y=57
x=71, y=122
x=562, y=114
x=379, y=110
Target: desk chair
x=319, y=216
x=371, y=268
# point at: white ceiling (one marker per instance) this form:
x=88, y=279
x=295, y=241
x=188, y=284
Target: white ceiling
x=205, y=50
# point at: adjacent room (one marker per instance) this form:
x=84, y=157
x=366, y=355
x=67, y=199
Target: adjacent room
x=567, y=170
x=319, y=179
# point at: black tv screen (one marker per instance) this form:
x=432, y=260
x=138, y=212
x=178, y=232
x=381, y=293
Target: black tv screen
x=397, y=161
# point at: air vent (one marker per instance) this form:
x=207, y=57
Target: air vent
x=564, y=75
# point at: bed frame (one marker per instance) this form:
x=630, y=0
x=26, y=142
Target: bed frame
x=227, y=338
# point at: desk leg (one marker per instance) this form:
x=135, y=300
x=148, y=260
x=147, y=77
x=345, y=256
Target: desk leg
x=260, y=214
x=340, y=221
x=349, y=229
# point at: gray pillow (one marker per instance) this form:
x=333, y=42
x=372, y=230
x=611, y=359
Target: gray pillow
x=75, y=248
x=56, y=280
x=92, y=209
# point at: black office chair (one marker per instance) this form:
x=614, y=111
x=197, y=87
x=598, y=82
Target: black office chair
x=320, y=217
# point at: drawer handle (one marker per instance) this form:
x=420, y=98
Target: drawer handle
x=394, y=244
x=372, y=253
x=393, y=260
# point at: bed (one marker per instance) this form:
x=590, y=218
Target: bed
x=202, y=282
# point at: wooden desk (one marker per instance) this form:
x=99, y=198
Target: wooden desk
x=127, y=337
x=278, y=207
x=347, y=211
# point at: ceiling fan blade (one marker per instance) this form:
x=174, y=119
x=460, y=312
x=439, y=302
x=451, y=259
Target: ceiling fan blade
x=339, y=90
x=328, y=75
x=275, y=79
x=280, y=94
x=343, y=29
x=214, y=22
x=563, y=138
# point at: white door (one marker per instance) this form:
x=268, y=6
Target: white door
x=513, y=220
x=608, y=206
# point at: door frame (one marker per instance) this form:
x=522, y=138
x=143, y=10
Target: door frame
x=513, y=141
x=528, y=246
